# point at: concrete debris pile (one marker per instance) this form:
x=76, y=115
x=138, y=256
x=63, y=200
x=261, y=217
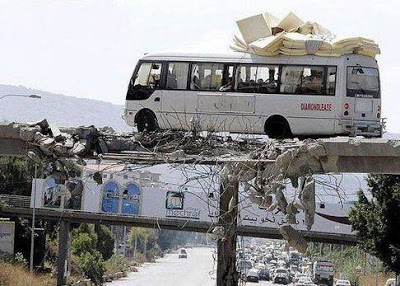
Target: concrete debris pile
x=267, y=35
x=68, y=142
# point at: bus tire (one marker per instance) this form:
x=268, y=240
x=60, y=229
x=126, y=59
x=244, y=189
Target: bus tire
x=146, y=121
x=277, y=127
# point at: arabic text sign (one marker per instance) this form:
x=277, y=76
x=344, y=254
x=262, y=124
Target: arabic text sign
x=7, y=231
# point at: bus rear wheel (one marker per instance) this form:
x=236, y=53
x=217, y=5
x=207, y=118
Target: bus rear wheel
x=146, y=121
x=277, y=127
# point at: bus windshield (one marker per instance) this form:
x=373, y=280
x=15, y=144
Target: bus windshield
x=363, y=82
x=145, y=81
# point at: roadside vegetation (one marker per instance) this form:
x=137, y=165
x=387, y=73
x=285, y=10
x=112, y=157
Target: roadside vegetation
x=14, y=271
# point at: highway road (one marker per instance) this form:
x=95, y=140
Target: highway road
x=197, y=270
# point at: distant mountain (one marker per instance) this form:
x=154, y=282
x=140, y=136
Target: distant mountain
x=63, y=110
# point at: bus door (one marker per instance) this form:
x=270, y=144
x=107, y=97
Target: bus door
x=174, y=95
x=218, y=107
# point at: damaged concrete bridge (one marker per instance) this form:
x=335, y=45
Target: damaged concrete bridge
x=259, y=164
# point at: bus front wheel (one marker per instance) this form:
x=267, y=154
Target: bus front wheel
x=277, y=127
x=146, y=121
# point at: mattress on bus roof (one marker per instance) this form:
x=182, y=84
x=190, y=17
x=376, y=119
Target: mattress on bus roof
x=295, y=37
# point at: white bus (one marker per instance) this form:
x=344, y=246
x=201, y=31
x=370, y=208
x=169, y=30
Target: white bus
x=281, y=96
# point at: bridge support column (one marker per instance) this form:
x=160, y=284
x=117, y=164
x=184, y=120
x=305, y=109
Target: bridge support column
x=63, y=238
x=226, y=261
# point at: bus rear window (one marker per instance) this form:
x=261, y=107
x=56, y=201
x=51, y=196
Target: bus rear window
x=363, y=82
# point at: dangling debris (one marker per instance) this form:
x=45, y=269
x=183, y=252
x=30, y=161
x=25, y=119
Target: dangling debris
x=307, y=199
x=294, y=238
x=218, y=232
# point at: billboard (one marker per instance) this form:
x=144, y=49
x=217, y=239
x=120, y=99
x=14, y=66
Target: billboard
x=7, y=234
x=128, y=197
x=329, y=217
x=188, y=205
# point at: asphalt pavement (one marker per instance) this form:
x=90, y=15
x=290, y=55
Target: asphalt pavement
x=197, y=270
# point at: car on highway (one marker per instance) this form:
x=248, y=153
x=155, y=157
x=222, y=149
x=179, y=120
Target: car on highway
x=284, y=271
x=182, y=253
x=252, y=275
x=342, y=283
x=298, y=275
x=304, y=281
x=281, y=278
x=263, y=274
x=390, y=282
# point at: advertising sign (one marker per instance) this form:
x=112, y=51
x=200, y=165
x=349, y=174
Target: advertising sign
x=130, y=198
x=7, y=233
x=192, y=205
x=329, y=217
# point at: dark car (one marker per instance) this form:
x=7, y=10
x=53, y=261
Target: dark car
x=183, y=253
x=252, y=276
x=263, y=274
x=281, y=278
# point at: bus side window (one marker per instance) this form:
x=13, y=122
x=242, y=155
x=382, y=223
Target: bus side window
x=227, y=78
x=291, y=79
x=148, y=76
x=177, y=74
x=206, y=76
x=312, y=81
x=331, y=81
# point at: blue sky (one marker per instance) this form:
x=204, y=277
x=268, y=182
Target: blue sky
x=88, y=49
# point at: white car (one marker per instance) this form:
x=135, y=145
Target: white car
x=298, y=275
x=342, y=283
x=391, y=282
x=304, y=281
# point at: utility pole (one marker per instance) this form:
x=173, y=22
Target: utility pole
x=124, y=240
x=33, y=223
x=62, y=253
x=226, y=261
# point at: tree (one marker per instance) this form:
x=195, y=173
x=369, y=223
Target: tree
x=91, y=263
x=376, y=220
x=142, y=239
x=16, y=175
x=105, y=241
x=90, y=260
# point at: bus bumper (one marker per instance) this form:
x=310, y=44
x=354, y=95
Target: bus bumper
x=128, y=116
x=363, y=127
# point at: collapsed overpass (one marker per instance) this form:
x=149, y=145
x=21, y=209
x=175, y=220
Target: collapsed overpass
x=263, y=161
